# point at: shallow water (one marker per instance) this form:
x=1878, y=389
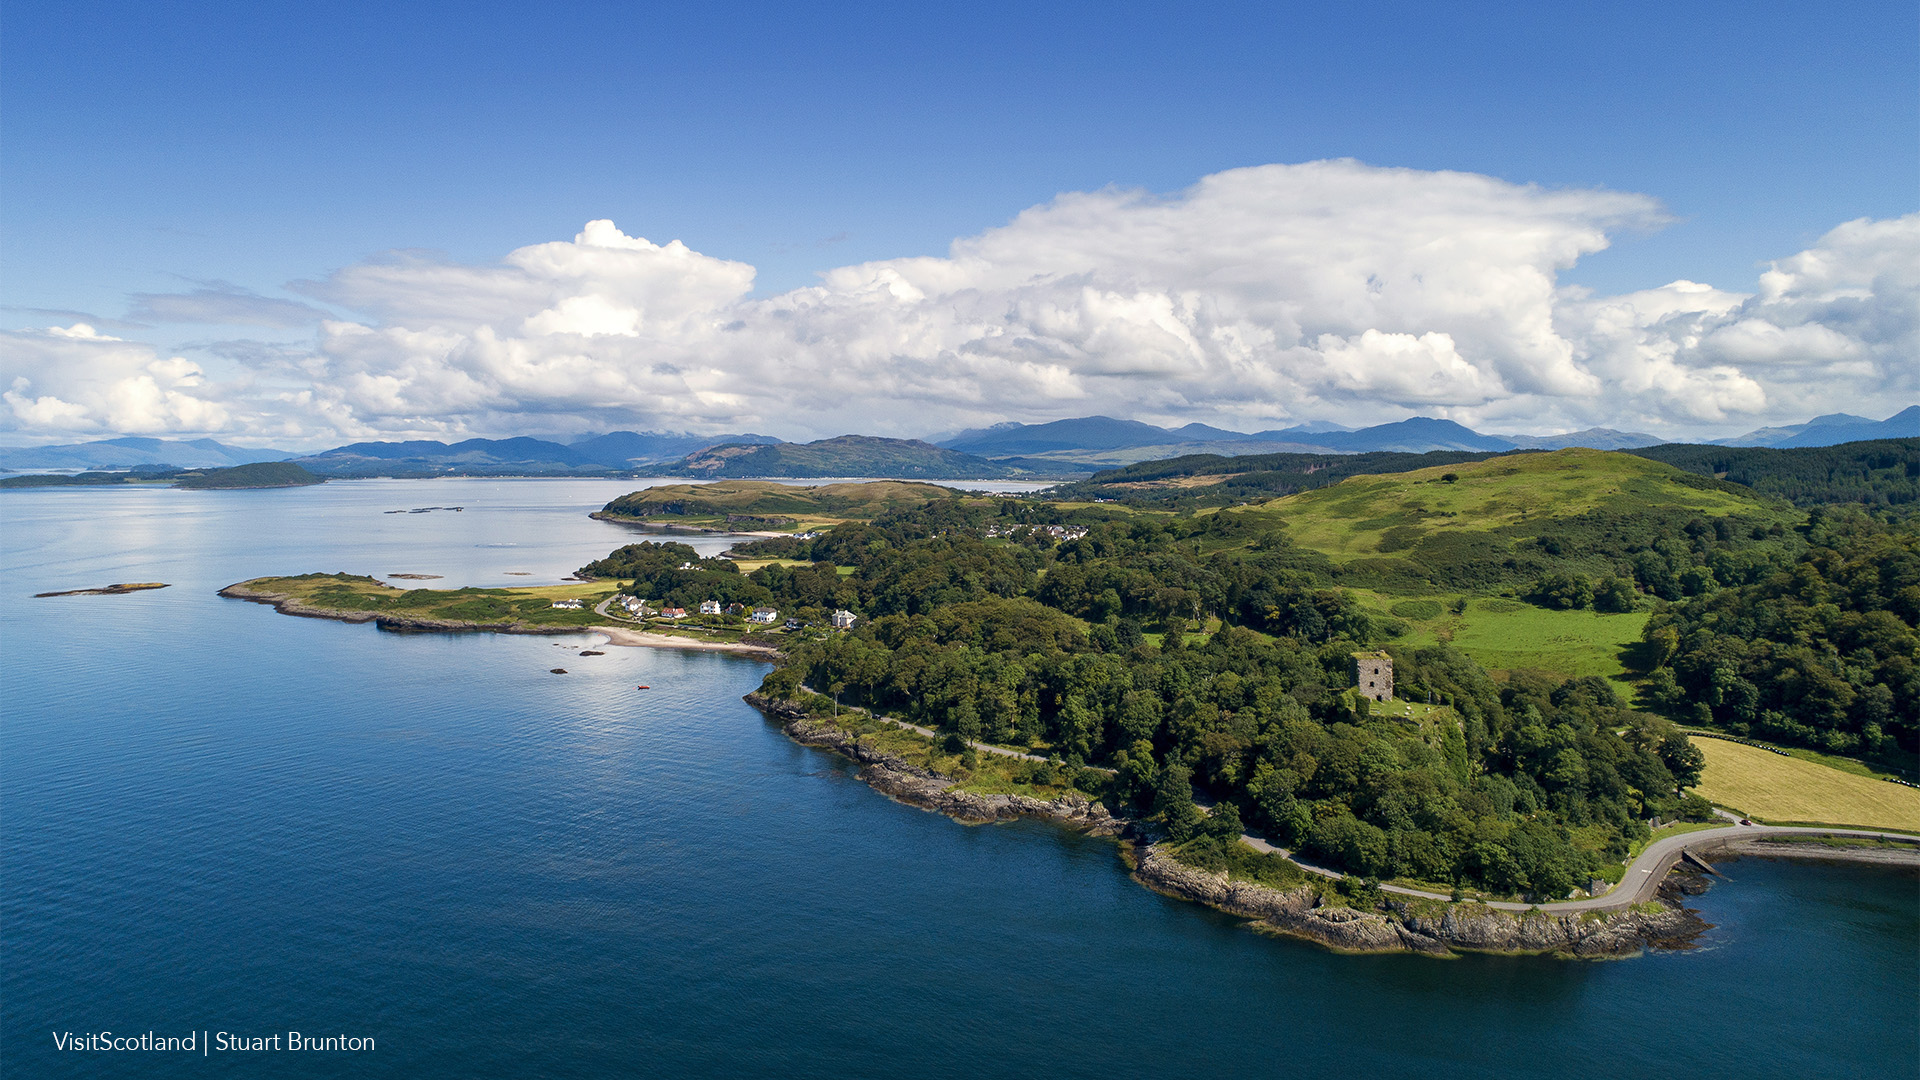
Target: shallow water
x=216, y=817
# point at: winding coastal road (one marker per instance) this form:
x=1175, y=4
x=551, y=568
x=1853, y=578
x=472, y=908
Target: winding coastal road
x=1642, y=876
x=1637, y=885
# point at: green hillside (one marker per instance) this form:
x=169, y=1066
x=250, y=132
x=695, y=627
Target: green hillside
x=1491, y=525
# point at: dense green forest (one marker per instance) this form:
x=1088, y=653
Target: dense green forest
x=1529, y=785
x=1820, y=651
x=1884, y=472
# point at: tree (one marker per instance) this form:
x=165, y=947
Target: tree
x=1225, y=822
x=1173, y=801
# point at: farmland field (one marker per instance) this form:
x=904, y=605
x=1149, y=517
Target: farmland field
x=1769, y=787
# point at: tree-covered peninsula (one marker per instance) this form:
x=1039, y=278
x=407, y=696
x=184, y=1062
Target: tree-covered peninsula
x=1152, y=656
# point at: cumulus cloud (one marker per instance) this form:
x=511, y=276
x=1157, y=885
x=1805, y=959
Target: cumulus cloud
x=1258, y=296
x=75, y=379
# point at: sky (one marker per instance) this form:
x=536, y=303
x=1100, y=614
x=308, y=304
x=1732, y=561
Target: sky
x=296, y=225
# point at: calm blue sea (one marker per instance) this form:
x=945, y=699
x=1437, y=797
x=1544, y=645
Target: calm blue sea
x=217, y=818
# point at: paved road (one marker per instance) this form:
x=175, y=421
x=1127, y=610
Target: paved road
x=1637, y=885
x=1643, y=875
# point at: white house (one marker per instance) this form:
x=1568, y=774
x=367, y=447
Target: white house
x=673, y=613
x=709, y=607
x=764, y=616
x=843, y=620
x=570, y=605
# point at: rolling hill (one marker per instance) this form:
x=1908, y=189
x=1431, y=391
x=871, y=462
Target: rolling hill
x=1502, y=522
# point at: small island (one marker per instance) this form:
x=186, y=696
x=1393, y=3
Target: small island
x=260, y=474
x=109, y=590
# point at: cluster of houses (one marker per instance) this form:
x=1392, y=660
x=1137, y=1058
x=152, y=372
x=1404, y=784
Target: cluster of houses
x=1057, y=532
x=760, y=616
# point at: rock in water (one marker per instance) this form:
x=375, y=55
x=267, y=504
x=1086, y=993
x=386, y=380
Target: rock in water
x=558, y=670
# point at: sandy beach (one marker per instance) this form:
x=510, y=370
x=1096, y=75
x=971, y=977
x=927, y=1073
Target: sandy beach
x=620, y=635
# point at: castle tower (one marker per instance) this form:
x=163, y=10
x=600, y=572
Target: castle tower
x=1373, y=675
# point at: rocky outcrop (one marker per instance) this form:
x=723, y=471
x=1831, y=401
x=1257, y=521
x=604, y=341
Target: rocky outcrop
x=1436, y=929
x=908, y=783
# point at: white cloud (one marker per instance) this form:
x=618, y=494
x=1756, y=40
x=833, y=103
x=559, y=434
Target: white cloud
x=74, y=379
x=1284, y=292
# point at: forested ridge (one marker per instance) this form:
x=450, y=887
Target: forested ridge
x=1820, y=651
x=1883, y=472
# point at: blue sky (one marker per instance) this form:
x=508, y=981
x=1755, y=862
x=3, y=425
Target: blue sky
x=154, y=149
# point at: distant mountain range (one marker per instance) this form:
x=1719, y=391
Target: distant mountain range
x=1103, y=442
x=847, y=455
x=1061, y=448
x=133, y=451
x=1832, y=430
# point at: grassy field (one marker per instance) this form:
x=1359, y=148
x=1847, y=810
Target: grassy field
x=1768, y=787
x=1505, y=635
x=356, y=593
x=1352, y=519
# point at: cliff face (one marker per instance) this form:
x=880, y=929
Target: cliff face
x=1435, y=929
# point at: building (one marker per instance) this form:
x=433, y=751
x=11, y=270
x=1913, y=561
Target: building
x=569, y=605
x=764, y=616
x=673, y=613
x=843, y=620
x=709, y=607
x=1373, y=675
x=736, y=609
x=794, y=624
x=634, y=605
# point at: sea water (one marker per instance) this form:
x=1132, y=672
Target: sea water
x=222, y=823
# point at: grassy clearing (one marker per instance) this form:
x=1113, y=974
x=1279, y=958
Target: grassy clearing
x=1503, y=634
x=1768, y=787
x=532, y=605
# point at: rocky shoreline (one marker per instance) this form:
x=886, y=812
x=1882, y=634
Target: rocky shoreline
x=1433, y=928
x=1436, y=928
x=915, y=786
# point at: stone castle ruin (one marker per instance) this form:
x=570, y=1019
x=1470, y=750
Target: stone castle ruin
x=1373, y=675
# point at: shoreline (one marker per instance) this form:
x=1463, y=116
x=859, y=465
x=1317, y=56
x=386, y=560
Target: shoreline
x=670, y=527
x=287, y=604
x=1650, y=914
x=648, y=639
x=1301, y=912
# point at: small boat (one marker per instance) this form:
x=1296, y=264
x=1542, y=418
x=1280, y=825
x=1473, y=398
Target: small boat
x=643, y=686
